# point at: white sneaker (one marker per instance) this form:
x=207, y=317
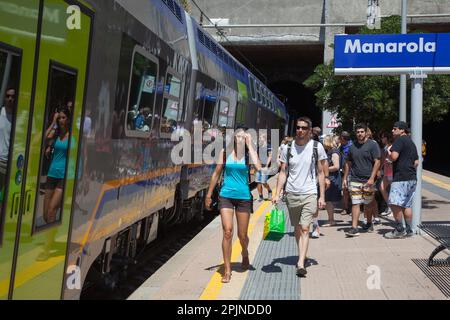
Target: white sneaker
x=377, y=221
x=316, y=232
x=386, y=212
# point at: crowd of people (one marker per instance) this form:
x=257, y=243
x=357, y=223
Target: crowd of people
x=360, y=174
x=319, y=172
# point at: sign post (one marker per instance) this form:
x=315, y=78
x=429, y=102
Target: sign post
x=416, y=135
x=402, y=113
x=416, y=55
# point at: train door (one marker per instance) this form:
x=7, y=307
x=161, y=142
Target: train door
x=17, y=47
x=46, y=139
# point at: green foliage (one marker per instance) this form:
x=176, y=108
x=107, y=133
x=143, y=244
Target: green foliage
x=375, y=99
x=186, y=4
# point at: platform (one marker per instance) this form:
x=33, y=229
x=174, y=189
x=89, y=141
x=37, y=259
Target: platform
x=367, y=267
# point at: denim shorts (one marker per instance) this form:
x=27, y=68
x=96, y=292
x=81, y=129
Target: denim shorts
x=402, y=193
x=262, y=176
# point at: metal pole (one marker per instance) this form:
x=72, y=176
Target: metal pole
x=284, y=25
x=402, y=112
x=416, y=130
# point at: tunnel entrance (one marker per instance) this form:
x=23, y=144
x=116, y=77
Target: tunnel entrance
x=300, y=101
x=284, y=68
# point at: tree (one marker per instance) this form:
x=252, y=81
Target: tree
x=186, y=4
x=374, y=100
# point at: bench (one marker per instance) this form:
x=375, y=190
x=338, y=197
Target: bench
x=441, y=233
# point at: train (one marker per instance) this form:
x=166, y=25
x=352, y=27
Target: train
x=130, y=73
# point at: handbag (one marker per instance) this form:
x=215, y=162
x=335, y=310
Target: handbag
x=274, y=224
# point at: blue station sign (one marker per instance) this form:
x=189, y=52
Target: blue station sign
x=392, y=54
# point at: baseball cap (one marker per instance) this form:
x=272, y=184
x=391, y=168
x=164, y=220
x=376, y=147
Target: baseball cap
x=401, y=125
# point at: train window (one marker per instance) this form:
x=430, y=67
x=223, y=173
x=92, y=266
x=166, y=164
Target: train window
x=9, y=84
x=240, y=114
x=56, y=143
x=171, y=113
x=198, y=105
x=224, y=108
x=252, y=87
x=142, y=94
x=209, y=111
x=231, y=115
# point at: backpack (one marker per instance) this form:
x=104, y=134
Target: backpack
x=314, y=160
x=341, y=162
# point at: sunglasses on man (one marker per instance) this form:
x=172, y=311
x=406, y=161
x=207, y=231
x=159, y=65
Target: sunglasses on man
x=304, y=128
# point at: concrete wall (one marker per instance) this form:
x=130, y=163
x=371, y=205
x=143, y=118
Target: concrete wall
x=302, y=39
x=305, y=11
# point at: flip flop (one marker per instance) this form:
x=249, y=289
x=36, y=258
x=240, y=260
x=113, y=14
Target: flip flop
x=301, y=272
x=226, y=277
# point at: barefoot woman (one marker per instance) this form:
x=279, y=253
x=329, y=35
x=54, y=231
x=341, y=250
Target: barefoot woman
x=234, y=195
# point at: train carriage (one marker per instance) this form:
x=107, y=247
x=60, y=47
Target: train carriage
x=131, y=73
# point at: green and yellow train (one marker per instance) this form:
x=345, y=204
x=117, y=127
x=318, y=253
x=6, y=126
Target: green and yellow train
x=131, y=72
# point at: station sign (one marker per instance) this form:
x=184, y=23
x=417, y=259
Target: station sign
x=392, y=54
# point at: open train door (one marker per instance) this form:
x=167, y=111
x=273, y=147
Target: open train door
x=49, y=43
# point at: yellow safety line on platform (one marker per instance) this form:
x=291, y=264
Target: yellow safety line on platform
x=214, y=286
x=436, y=182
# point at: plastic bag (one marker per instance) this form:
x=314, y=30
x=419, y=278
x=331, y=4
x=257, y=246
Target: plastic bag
x=274, y=224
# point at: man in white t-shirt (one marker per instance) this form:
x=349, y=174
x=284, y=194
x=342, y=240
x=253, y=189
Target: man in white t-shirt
x=304, y=158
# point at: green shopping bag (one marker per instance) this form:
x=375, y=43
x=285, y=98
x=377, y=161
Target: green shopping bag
x=274, y=223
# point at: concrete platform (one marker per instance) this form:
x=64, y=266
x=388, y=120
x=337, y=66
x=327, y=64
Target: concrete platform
x=366, y=267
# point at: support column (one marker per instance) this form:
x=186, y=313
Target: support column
x=416, y=135
x=402, y=111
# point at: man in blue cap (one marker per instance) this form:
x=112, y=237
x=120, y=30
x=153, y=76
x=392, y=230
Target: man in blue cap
x=405, y=161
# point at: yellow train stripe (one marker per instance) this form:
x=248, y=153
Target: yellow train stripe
x=127, y=217
x=214, y=286
x=436, y=182
x=123, y=182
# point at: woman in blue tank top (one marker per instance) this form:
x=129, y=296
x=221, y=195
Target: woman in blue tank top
x=234, y=195
x=57, y=171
